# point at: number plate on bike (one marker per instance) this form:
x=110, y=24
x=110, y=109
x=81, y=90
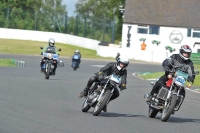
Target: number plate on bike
x=180, y=79
x=115, y=78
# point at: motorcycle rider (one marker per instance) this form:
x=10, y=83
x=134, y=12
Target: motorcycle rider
x=79, y=54
x=119, y=68
x=50, y=48
x=183, y=60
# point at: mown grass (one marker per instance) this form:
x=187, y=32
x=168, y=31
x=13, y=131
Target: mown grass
x=158, y=74
x=6, y=62
x=10, y=46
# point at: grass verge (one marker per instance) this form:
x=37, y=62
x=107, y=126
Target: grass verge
x=11, y=46
x=158, y=74
x=6, y=62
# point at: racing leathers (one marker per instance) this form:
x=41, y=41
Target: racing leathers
x=107, y=70
x=183, y=65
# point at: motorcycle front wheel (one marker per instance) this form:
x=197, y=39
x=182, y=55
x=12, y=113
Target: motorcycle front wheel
x=85, y=106
x=48, y=71
x=102, y=103
x=168, y=110
x=152, y=112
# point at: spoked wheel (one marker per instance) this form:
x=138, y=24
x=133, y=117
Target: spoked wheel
x=102, y=103
x=168, y=110
x=48, y=72
x=85, y=106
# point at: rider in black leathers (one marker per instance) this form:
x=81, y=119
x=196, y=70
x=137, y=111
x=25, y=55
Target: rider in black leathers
x=183, y=60
x=118, y=68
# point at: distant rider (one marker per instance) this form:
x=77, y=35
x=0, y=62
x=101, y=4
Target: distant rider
x=79, y=54
x=118, y=68
x=50, y=48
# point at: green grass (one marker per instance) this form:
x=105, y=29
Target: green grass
x=10, y=46
x=158, y=74
x=6, y=62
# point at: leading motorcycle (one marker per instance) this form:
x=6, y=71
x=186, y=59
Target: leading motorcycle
x=170, y=97
x=100, y=93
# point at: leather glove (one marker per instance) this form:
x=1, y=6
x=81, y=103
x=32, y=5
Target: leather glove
x=122, y=87
x=100, y=75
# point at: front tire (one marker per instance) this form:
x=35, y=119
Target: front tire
x=167, y=111
x=85, y=106
x=75, y=65
x=102, y=103
x=152, y=112
x=48, y=72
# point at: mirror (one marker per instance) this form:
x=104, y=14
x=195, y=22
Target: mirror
x=152, y=83
x=41, y=47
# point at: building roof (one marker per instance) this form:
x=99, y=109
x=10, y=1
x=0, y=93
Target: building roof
x=173, y=13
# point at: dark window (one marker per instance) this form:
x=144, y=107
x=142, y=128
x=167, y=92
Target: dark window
x=196, y=34
x=154, y=30
x=142, y=30
x=189, y=32
x=198, y=50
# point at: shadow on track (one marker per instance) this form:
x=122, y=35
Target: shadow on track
x=110, y=114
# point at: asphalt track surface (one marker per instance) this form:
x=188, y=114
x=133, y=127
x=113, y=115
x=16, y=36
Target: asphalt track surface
x=31, y=104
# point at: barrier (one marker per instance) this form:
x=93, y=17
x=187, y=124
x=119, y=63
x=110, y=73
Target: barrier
x=18, y=63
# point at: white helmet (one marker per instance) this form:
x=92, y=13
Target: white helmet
x=76, y=51
x=123, y=60
x=51, y=42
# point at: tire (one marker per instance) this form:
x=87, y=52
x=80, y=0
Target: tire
x=48, y=72
x=153, y=112
x=75, y=65
x=85, y=106
x=100, y=105
x=165, y=115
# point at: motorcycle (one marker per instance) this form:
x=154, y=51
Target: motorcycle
x=170, y=97
x=49, y=60
x=100, y=93
x=75, y=61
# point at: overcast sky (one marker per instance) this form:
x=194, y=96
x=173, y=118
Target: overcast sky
x=70, y=6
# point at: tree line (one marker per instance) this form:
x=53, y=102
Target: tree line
x=97, y=19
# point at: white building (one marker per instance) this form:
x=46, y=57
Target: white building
x=162, y=26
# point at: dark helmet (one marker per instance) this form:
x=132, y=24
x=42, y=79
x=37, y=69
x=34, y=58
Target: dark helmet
x=51, y=42
x=124, y=60
x=185, y=49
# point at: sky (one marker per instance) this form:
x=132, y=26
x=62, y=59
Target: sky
x=70, y=6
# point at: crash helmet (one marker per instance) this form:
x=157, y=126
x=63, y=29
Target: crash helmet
x=185, y=49
x=122, y=62
x=51, y=42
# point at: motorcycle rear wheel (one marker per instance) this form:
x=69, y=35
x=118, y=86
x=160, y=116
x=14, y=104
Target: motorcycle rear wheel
x=102, y=103
x=166, y=112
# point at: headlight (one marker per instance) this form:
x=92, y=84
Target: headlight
x=50, y=56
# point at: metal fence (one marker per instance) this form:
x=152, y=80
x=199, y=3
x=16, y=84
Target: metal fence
x=90, y=27
x=195, y=57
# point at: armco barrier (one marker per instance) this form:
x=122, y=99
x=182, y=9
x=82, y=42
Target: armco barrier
x=18, y=63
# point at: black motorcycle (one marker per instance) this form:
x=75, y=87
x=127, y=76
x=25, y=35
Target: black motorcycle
x=170, y=97
x=100, y=93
